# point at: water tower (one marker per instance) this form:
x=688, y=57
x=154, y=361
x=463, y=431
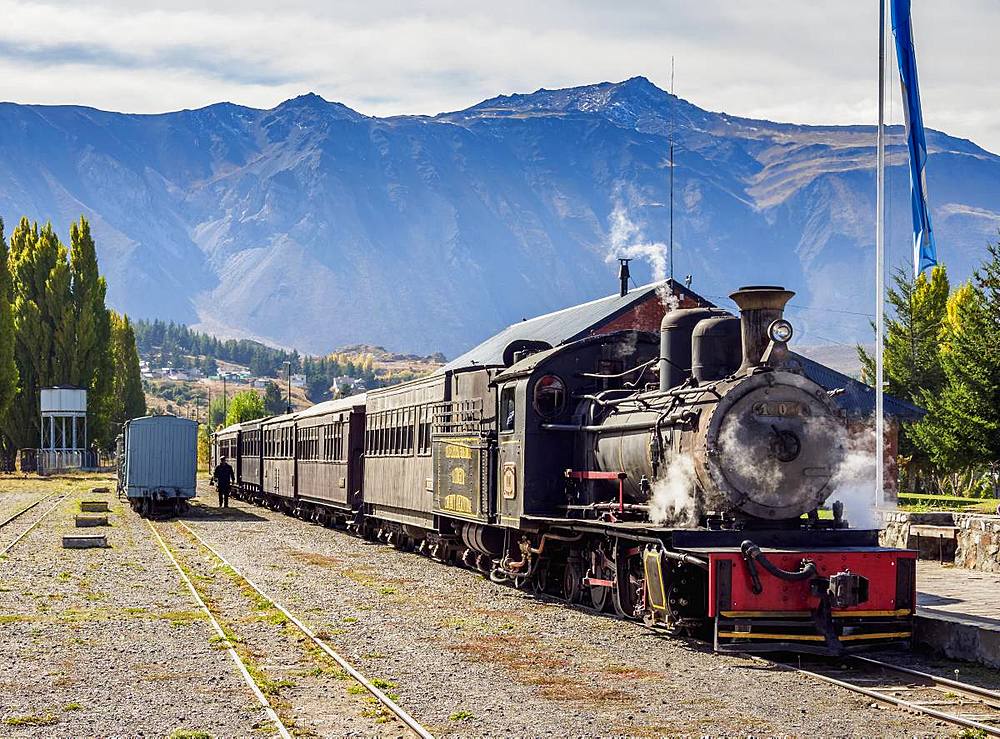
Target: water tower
x=64, y=425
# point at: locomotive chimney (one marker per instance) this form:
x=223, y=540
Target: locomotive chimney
x=623, y=277
x=759, y=306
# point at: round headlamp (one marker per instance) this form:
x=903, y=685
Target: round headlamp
x=780, y=331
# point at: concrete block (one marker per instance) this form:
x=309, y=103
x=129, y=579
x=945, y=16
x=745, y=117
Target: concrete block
x=100, y=490
x=84, y=541
x=85, y=520
x=94, y=506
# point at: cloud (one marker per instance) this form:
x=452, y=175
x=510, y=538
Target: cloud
x=783, y=60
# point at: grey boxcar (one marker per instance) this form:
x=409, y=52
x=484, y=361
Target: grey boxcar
x=158, y=462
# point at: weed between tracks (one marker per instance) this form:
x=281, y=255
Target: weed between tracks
x=265, y=611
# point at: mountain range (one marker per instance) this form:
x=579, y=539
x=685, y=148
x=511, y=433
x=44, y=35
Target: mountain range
x=311, y=225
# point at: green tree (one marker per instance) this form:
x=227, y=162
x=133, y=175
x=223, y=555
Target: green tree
x=204, y=446
x=912, y=362
x=217, y=412
x=274, y=403
x=246, y=405
x=128, y=399
x=43, y=315
x=8, y=367
x=962, y=428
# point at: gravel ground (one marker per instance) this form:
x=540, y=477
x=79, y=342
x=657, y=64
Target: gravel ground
x=473, y=658
x=10, y=504
x=310, y=693
x=106, y=642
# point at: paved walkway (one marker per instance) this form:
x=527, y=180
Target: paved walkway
x=953, y=591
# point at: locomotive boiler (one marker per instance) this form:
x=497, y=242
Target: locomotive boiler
x=743, y=436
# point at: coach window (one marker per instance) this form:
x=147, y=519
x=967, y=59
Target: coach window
x=507, y=409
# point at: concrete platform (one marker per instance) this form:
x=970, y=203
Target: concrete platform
x=84, y=520
x=958, y=612
x=94, y=506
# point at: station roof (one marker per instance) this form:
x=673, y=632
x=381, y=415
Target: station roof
x=563, y=326
x=858, y=399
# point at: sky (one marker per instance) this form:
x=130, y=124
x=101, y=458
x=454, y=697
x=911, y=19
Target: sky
x=785, y=60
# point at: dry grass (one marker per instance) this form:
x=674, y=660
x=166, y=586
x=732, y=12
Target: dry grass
x=533, y=664
x=314, y=558
x=77, y=482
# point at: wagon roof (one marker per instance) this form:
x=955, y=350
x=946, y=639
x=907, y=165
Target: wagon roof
x=332, y=406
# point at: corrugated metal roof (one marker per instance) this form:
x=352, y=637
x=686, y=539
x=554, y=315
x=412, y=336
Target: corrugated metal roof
x=562, y=326
x=858, y=399
x=332, y=406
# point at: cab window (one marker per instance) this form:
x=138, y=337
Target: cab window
x=507, y=409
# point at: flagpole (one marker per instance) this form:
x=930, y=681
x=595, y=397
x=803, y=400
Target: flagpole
x=880, y=265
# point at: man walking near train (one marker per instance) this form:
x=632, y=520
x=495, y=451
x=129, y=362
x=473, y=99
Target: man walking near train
x=223, y=478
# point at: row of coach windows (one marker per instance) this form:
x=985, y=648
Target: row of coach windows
x=250, y=443
x=278, y=442
x=399, y=432
x=322, y=443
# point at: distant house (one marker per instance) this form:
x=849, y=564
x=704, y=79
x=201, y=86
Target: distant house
x=642, y=309
x=298, y=380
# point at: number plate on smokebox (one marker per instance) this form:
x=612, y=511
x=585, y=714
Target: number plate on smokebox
x=780, y=409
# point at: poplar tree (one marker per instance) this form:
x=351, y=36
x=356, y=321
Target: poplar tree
x=8, y=367
x=128, y=399
x=88, y=329
x=43, y=324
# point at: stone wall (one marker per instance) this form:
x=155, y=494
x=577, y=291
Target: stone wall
x=978, y=542
x=976, y=545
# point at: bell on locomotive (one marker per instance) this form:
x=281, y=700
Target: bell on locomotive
x=735, y=434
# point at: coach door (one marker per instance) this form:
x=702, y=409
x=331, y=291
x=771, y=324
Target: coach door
x=509, y=455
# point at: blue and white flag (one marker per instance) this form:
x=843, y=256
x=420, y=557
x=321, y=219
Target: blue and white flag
x=924, y=250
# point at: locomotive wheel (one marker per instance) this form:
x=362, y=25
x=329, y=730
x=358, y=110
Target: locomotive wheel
x=540, y=582
x=572, y=581
x=598, y=597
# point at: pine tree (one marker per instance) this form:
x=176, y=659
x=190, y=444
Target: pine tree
x=128, y=399
x=274, y=404
x=8, y=367
x=912, y=363
x=90, y=353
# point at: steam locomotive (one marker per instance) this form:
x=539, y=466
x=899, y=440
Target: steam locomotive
x=677, y=479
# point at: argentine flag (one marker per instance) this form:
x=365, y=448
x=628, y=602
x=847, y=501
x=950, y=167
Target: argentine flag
x=924, y=250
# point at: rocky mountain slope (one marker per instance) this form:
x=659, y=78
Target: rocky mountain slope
x=312, y=225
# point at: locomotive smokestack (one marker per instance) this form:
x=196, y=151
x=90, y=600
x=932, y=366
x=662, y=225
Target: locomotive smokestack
x=623, y=277
x=759, y=306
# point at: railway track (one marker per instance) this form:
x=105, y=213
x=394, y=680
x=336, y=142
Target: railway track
x=35, y=523
x=385, y=700
x=951, y=701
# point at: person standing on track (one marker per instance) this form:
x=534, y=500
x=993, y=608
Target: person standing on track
x=223, y=478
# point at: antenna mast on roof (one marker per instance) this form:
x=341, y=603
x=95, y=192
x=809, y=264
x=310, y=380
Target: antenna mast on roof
x=673, y=101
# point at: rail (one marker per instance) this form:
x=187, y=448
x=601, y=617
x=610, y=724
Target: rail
x=237, y=660
x=980, y=707
x=37, y=521
x=381, y=697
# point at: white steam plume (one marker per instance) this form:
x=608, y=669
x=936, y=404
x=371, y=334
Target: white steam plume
x=627, y=241
x=853, y=482
x=673, y=498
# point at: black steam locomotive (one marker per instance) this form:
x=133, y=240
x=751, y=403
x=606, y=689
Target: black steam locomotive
x=675, y=479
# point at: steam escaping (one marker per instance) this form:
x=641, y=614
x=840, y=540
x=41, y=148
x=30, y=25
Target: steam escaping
x=853, y=483
x=629, y=242
x=673, y=498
